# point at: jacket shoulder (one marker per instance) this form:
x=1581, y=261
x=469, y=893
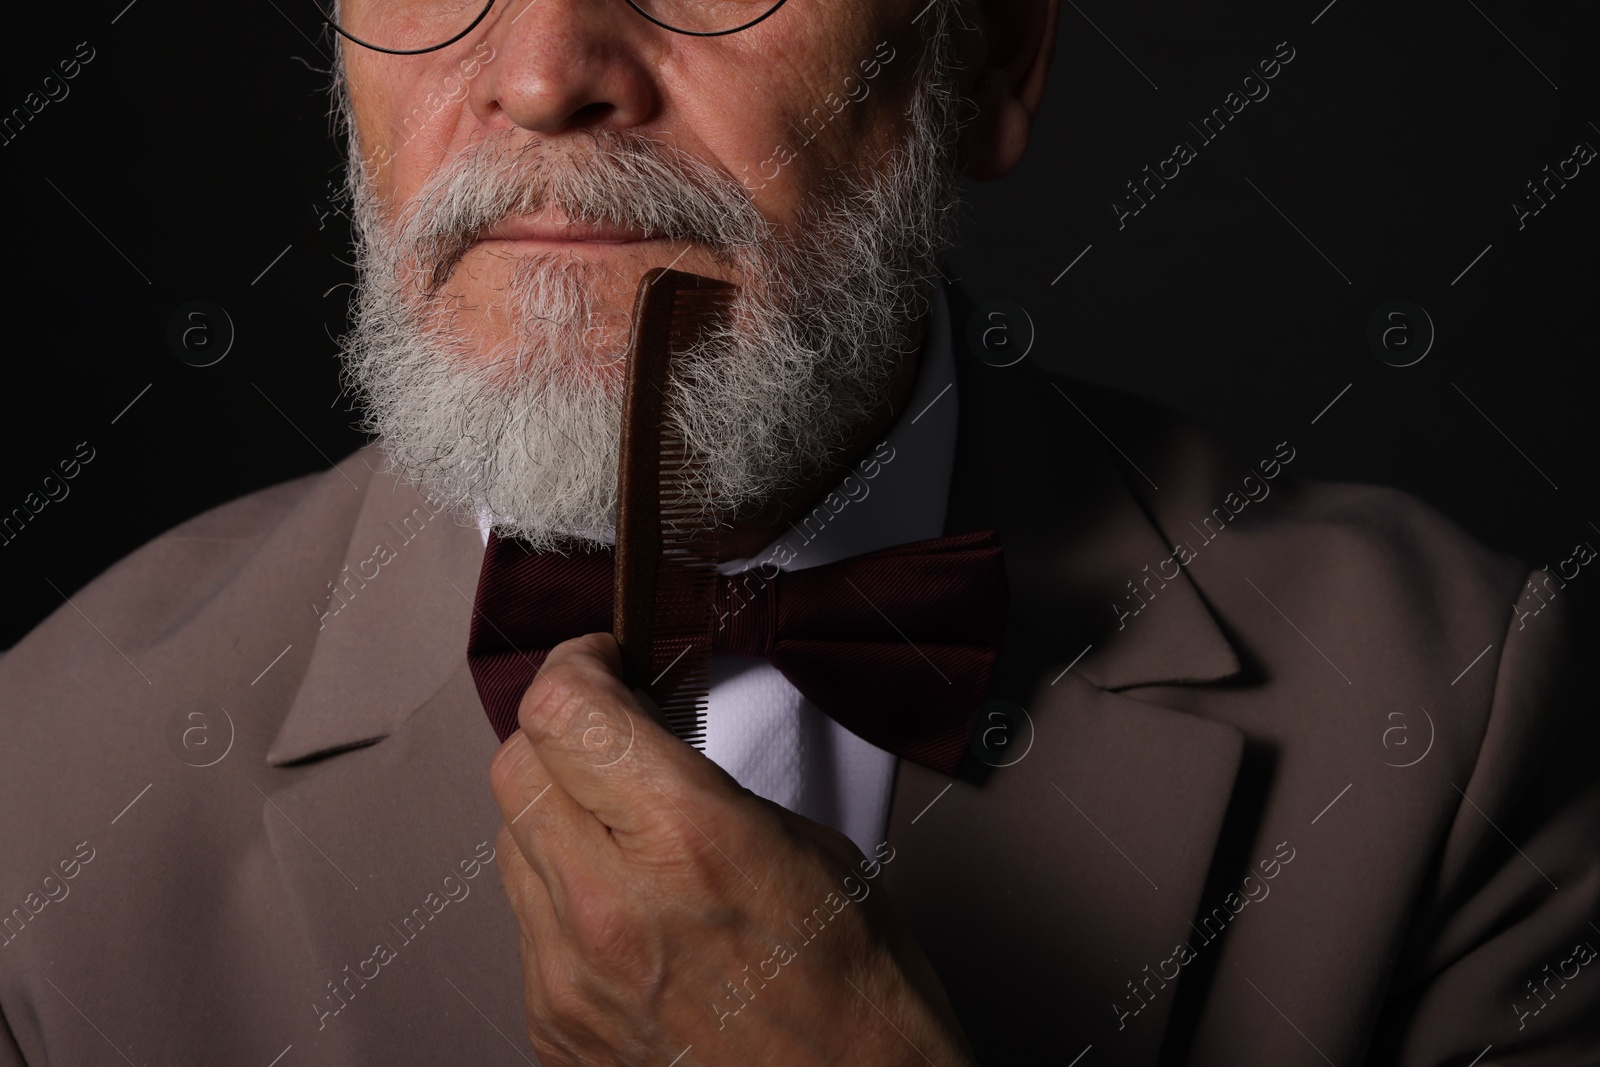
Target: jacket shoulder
x=149, y=592
x=1403, y=550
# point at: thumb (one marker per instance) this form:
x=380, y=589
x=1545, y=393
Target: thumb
x=602, y=743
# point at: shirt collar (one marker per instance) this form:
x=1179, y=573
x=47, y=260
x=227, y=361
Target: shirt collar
x=899, y=491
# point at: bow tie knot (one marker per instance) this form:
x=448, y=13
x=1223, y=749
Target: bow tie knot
x=896, y=645
x=746, y=613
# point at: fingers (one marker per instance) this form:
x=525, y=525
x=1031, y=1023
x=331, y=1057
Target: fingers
x=525, y=889
x=567, y=1001
x=561, y=843
x=603, y=747
x=543, y=950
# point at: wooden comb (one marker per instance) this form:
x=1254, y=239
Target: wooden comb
x=666, y=552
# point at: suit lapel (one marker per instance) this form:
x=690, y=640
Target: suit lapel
x=1050, y=896
x=383, y=844
x=1049, y=893
x=1064, y=476
x=385, y=854
x=409, y=574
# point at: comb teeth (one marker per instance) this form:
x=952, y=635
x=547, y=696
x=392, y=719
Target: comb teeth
x=666, y=548
x=680, y=634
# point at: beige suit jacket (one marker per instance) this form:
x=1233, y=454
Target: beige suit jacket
x=1321, y=800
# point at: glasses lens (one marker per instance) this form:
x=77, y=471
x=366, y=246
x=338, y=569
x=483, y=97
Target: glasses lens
x=403, y=25
x=706, y=17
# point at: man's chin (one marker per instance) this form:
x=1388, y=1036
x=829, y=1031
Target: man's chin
x=587, y=347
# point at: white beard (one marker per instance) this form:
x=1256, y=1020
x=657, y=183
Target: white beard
x=528, y=434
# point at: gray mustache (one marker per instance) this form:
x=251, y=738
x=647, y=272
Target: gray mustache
x=624, y=179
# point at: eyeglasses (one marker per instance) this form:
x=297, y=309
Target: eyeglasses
x=411, y=27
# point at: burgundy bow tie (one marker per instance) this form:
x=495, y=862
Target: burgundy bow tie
x=896, y=645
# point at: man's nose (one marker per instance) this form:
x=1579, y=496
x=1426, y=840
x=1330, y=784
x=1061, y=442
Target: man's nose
x=565, y=65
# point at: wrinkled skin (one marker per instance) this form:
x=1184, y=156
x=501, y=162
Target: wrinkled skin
x=645, y=879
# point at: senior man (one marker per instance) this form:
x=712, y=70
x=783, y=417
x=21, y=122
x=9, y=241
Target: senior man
x=1098, y=743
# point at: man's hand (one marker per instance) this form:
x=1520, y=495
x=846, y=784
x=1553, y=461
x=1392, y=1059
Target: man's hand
x=667, y=912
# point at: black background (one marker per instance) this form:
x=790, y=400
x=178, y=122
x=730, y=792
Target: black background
x=194, y=150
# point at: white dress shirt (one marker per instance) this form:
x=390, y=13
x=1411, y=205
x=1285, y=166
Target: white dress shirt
x=759, y=728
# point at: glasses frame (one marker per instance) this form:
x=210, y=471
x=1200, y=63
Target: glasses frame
x=773, y=10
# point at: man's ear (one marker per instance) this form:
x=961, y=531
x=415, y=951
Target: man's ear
x=1006, y=80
